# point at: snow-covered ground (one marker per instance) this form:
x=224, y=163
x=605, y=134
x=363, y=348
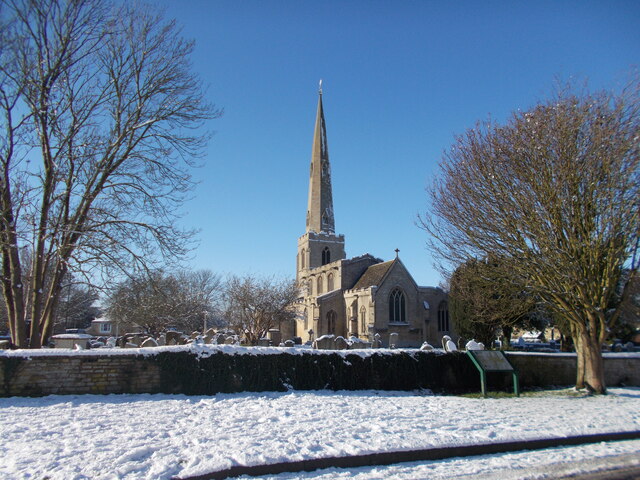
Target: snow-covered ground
x=159, y=436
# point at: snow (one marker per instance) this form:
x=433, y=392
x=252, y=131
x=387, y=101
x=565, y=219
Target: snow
x=160, y=436
x=207, y=350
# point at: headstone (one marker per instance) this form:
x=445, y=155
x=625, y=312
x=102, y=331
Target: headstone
x=162, y=340
x=274, y=335
x=231, y=340
x=173, y=338
x=448, y=345
x=393, y=340
x=340, y=343
x=289, y=343
x=377, y=341
x=264, y=342
x=149, y=342
x=219, y=339
x=426, y=346
x=356, y=343
x=208, y=336
x=324, y=342
x=473, y=345
x=130, y=345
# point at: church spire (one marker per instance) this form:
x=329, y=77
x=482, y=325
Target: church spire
x=320, y=206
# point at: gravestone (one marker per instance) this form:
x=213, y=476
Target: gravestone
x=173, y=338
x=324, y=342
x=149, y=342
x=340, y=343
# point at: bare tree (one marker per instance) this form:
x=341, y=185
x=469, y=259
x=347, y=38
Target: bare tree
x=484, y=299
x=184, y=300
x=557, y=191
x=254, y=305
x=101, y=119
x=78, y=300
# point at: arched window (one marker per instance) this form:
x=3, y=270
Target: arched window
x=330, y=282
x=363, y=320
x=443, y=317
x=397, y=309
x=326, y=256
x=331, y=322
x=309, y=287
x=302, y=255
x=319, y=285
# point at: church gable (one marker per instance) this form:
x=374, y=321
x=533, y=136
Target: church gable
x=397, y=275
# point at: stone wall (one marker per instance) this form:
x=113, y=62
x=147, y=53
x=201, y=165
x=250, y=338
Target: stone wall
x=546, y=369
x=185, y=371
x=77, y=374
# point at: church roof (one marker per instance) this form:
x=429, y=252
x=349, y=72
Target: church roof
x=373, y=275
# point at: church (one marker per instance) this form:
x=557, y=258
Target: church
x=364, y=296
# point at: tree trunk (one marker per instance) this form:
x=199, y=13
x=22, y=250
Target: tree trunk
x=506, y=338
x=580, y=366
x=593, y=364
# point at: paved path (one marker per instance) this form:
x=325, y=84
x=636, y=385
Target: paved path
x=617, y=473
x=390, y=458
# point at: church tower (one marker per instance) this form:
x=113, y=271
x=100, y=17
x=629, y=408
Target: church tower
x=319, y=245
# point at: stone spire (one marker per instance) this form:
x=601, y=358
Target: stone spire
x=320, y=206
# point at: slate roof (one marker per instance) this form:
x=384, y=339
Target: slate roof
x=373, y=275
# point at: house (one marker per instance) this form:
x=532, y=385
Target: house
x=105, y=327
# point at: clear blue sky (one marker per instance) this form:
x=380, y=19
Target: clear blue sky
x=400, y=79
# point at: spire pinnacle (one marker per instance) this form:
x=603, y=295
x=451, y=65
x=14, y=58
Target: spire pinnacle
x=320, y=206
x=320, y=87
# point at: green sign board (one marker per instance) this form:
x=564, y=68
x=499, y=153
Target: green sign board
x=492, y=361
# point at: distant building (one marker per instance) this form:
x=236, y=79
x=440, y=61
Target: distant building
x=104, y=327
x=361, y=296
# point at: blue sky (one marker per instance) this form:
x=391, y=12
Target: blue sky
x=400, y=80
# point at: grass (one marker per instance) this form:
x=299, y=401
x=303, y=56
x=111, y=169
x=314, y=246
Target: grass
x=550, y=392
